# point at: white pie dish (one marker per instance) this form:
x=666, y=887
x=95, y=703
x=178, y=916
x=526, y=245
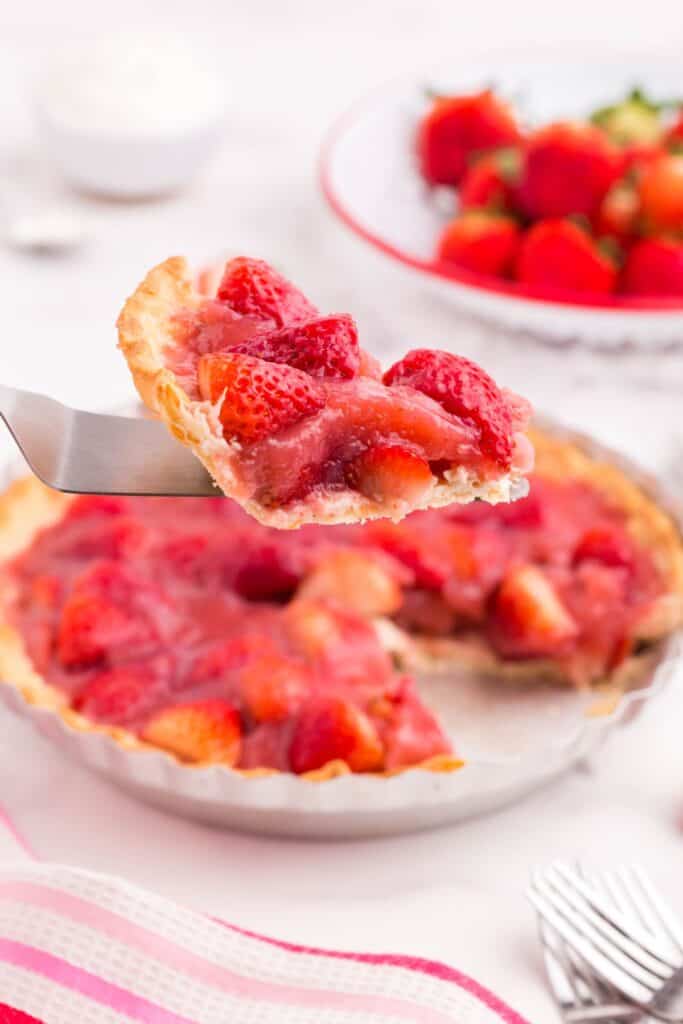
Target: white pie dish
x=370, y=179
x=513, y=738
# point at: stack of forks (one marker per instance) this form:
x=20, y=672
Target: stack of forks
x=612, y=947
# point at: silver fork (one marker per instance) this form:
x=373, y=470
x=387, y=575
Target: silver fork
x=582, y=997
x=629, y=938
x=94, y=453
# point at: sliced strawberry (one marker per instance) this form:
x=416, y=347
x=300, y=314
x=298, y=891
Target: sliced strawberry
x=654, y=266
x=324, y=347
x=411, y=548
x=331, y=729
x=97, y=505
x=257, y=398
x=312, y=628
x=559, y=255
x=390, y=471
x=111, y=612
x=413, y=734
x=608, y=545
x=482, y=241
x=254, y=289
x=528, y=618
x=567, y=169
x=457, y=128
x=267, y=573
x=464, y=390
x=205, y=731
x=122, y=694
x=359, y=580
x=272, y=687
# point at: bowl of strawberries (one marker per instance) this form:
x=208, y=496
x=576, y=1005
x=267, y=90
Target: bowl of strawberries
x=551, y=201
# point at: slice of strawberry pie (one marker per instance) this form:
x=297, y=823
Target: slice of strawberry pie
x=296, y=422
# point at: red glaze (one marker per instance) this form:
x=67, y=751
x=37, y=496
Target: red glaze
x=654, y=266
x=192, y=640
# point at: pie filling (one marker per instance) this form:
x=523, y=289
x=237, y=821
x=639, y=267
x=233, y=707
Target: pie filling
x=207, y=634
x=307, y=414
x=177, y=619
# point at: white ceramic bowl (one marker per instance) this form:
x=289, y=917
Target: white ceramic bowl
x=131, y=118
x=370, y=179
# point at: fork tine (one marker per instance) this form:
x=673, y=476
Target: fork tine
x=625, y=931
x=630, y=987
x=604, y=993
x=602, y=929
x=562, y=979
x=632, y=981
x=663, y=921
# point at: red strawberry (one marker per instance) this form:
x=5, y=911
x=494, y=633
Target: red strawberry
x=654, y=266
x=661, y=195
x=674, y=136
x=412, y=734
x=387, y=471
x=112, y=613
x=558, y=254
x=273, y=687
x=481, y=241
x=324, y=347
x=206, y=731
x=359, y=580
x=267, y=573
x=410, y=548
x=567, y=168
x=489, y=183
x=97, y=505
x=258, y=398
x=331, y=729
x=253, y=288
x=610, y=546
x=528, y=618
x=458, y=127
x=463, y=389
x=121, y=694
x=619, y=212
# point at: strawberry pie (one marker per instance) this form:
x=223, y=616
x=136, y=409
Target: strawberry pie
x=182, y=624
x=296, y=422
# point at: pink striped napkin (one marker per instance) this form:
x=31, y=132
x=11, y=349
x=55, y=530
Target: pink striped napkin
x=83, y=948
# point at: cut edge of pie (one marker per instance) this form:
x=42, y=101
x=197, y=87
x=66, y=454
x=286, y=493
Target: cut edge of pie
x=576, y=457
x=26, y=507
x=145, y=333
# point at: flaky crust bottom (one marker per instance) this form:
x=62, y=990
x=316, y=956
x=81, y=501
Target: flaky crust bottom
x=27, y=507
x=145, y=334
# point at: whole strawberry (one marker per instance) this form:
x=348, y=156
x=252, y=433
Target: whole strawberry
x=661, y=195
x=490, y=182
x=459, y=127
x=480, y=241
x=560, y=256
x=567, y=169
x=654, y=267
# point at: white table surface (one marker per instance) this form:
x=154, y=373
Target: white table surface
x=455, y=894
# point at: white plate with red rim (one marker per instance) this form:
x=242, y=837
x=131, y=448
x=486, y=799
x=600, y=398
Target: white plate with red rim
x=369, y=177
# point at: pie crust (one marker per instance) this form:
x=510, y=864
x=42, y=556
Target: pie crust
x=145, y=328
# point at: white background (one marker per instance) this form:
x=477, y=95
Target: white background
x=291, y=68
